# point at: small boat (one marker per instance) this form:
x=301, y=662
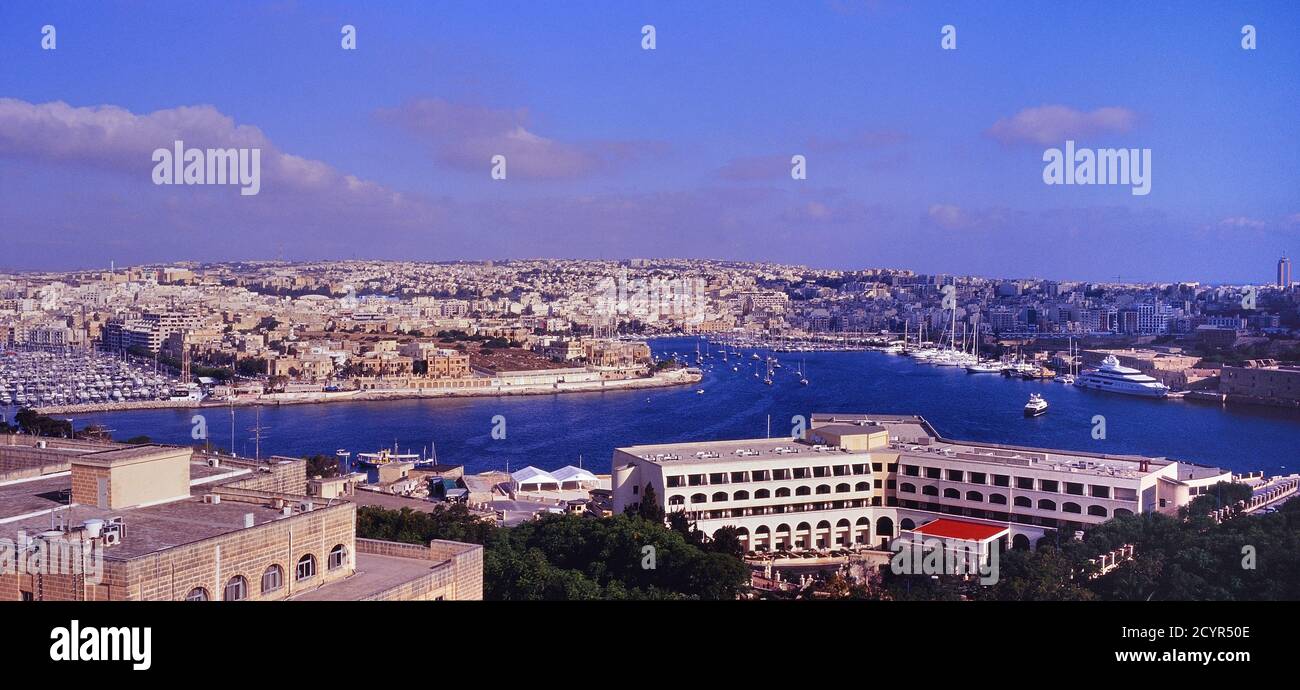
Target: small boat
x=699, y=391
x=1036, y=405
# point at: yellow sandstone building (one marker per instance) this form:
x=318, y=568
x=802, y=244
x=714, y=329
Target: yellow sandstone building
x=82, y=520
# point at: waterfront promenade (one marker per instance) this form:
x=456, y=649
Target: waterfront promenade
x=678, y=377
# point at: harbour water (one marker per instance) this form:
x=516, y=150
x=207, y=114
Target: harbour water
x=553, y=431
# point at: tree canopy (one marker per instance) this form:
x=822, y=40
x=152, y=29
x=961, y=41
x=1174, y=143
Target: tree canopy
x=561, y=557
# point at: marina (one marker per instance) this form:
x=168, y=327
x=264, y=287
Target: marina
x=37, y=378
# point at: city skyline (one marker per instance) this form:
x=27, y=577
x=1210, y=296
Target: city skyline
x=1276, y=281
x=615, y=151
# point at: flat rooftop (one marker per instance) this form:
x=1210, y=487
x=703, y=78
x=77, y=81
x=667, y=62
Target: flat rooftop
x=36, y=504
x=374, y=574
x=747, y=450
x=913, y=436
x=154, y=528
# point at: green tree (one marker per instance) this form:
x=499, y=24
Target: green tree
x=571, y=557
x=649, y=508
x=324, y=466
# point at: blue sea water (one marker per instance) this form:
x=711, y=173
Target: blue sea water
x=551, y=431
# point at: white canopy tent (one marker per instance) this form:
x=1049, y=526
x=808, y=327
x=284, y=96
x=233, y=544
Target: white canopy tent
x=532, y=479
x=571, y=477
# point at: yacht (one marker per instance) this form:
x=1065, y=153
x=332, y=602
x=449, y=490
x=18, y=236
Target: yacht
x=1036, y=405
x=975, y=365
x=1068, y=377
x=1112, y=377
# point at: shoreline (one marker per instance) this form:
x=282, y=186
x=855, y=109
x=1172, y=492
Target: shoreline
x=665, y=380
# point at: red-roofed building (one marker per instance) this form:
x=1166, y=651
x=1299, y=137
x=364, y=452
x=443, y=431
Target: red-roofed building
x=948, y=528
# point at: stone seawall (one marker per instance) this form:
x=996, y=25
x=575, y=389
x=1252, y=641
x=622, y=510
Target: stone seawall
x=662, y=380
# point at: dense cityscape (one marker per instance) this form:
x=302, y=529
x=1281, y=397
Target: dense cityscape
x=281, y=332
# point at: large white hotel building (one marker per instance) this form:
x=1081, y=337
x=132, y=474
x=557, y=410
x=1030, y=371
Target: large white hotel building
x=859, y=479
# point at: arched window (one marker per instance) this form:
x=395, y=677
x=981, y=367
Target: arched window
x=803, y=527
x=1071, y=507
x=975, y=496
x=951, y=493
x=1120, y=512
x=1099, y=511
x=1020, y=542
x=699, y=498
x=998, y=499
x=236, y=589
x=842, y=488
x=676, y=500
x=1022, y=502
x=864, y=522
x=930, y=490
x=720, y=497
x=338, y=556
x=802, y=491
x=824, y=525
x=844, y=522
x=306, y=567
x=740, y=496
x=762, y=529
x=907, y=523
x=862, y=486
x=824, y=489
x=907, y=488
x=783, y=492
x=885, y=526
x=762, y=493
x=1044, y=504
x=197, y=594
x=272, y=579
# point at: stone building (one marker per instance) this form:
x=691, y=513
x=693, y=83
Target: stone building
x=95, y=521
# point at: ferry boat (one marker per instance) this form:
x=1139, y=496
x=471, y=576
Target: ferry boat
x=1112, y=377
x=1036, y=405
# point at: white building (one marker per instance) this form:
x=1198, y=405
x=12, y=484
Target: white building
x=860, y=479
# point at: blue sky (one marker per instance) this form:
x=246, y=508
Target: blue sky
x=918, y=157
